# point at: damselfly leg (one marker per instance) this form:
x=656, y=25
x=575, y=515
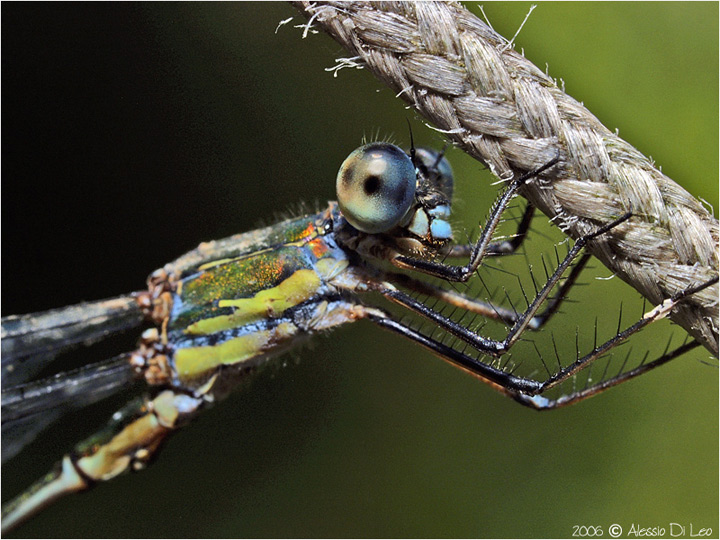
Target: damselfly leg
x=484, y=245
x=529, y=391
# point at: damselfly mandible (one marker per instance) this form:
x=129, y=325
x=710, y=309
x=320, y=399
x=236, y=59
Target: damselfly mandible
x=196, y=221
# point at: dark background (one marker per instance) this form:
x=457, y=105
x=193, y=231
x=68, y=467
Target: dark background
x=131, y=132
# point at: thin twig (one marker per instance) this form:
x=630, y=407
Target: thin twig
x=501, y=109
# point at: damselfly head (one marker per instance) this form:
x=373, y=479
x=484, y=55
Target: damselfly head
x=382, y=189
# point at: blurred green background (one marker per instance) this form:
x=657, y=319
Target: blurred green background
x=131, y=132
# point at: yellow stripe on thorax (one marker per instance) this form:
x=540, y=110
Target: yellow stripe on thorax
x=272, y=302
x=195, y=361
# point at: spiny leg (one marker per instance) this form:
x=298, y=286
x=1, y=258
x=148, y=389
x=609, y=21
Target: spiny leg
x=541, y=403
x=502, y=247
x=657, y=313
x=481, y=248
x=522, y=322
x=488, y=309
x=500, y=380
x=528, y=391
x=453, y=298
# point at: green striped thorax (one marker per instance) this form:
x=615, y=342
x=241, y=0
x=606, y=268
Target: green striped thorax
x=383, y=190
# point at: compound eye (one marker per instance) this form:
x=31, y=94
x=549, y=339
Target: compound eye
x=376, y=187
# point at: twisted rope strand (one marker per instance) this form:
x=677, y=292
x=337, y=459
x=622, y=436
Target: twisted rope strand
x=501, y=109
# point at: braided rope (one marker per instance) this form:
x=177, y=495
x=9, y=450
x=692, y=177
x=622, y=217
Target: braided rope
x=501, y=109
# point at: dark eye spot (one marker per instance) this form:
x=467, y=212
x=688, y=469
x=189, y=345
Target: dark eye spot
x=371, y=185
x=347, y=174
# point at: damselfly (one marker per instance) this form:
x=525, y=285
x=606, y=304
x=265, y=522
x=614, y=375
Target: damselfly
x=222, y=310
x=195, y=221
